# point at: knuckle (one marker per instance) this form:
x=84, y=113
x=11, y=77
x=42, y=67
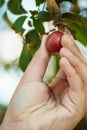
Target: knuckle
x=62, y=51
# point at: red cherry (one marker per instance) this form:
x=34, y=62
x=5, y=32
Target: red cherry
x=53, y=42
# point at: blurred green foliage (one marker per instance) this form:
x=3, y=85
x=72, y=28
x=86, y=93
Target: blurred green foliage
x=2, y=112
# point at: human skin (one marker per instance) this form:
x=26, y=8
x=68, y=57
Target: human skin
x=60, y=106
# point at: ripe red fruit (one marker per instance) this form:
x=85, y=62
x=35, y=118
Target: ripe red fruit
x=53, y=42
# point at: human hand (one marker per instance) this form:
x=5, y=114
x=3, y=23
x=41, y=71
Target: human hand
x=74, y=56
x=36, y=106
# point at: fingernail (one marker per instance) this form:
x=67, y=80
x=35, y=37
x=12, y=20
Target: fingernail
x=65, y=52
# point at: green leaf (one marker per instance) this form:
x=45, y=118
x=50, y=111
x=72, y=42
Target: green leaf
x=43, y=16
x=32, y=38
x=25, y=58
x=15, y=7
x=72, y=16
x=76, y=18
x=83, y=22
x=32, y=44
x=79, y=32
x=38, y=2
x=2, y=112
x=1, y=3
x=17, y=26
x=39, y=26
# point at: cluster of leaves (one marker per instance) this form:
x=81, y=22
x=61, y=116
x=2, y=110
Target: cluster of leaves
x=32, y=40
x=71, y=20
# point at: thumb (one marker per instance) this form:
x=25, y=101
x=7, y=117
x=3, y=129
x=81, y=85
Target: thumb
x=38, y=64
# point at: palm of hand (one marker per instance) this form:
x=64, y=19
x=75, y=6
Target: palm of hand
x=44, y=107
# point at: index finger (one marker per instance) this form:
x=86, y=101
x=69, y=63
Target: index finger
x=68, y=42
